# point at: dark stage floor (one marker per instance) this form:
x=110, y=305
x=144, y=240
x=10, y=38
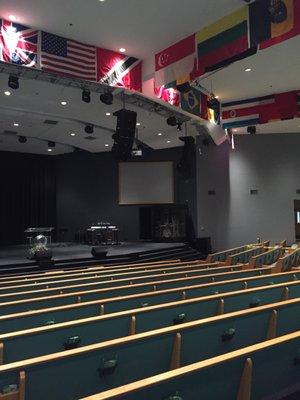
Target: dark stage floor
x=13, y=255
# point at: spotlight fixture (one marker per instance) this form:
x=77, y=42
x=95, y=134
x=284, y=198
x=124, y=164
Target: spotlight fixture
x=108, y=114
x=107, y=98
x=13, y=82
x=159, y=134
x=251, y=130
x=22, y=139
x=106, y=145
x=63, y=103
x=179, y=126
x=122, y=50
x=172, y=121
x=213, y=104
x=51, y=144
x=7, y=93
x=49, y=150
x=73, y=134
x=86, y=96
x=138, y=124
x=89, y=129
x=248, y=70
x=16, y=124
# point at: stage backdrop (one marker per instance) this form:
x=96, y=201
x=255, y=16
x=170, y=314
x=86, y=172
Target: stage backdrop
x=28, y=194
x=146, y=183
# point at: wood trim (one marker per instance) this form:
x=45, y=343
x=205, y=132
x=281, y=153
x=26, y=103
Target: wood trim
x=272, y=326
x=176, y=352
x=134, y=312
x=78, y=271
x=285, y=294
x=132, y=326
x=221, y=307
x=244, y=392
x=138, y=337
x=1, y=353
x=192, y=368
x=95, y=281
x=115, y=288
x=22, y=381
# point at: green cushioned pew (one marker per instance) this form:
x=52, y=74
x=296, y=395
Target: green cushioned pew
x=49, y=339
x=34, y=303
x=130, y=276
x=289, y=261
x=81, y=372
x=267, y=258
x=30, y=303
x=56, y=274
x=52, y=315
x=244, y=256
x=221, y=256
x=268, y=370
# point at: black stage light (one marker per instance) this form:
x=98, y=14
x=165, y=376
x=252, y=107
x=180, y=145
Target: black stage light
x=13, y=82
x=86, y=96
x=251, y=130
x=89, y=129
x=22, y=139
x=51, y=144
x=179, y=126
x=172, y=121
x=213, y=103
x=107, y=98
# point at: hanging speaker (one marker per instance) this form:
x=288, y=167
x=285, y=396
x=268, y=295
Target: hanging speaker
x=125, y=134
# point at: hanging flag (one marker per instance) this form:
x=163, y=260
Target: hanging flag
x=277, y=107
x=244, y=112
x=223, y=42
x=273, y=21
x=18, y=44
x=174, y=64
x=117, y=69
x=191, y=101
x=68, y=57
x=171, y=96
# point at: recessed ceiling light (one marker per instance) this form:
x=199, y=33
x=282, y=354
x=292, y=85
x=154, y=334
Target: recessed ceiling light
x=49, y=150
x=107, y=145
x=248, y=69
x=122, y=50
x=7, y=93
x=63, y=103
x=73, y=134
x=12, y=18
x=102, y=1
x=159, y=134
x=108, y=114
x=16, y=124
x=168, y=141
x=138, y=124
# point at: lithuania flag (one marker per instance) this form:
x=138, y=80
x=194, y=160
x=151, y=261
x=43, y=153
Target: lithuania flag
x=223, y=42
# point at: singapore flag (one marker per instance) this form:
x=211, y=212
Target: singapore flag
x=174, y=64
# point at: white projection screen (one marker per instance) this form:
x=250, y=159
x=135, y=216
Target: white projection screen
x=146, y=183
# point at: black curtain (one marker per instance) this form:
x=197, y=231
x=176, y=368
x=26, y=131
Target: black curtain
x=28, y=194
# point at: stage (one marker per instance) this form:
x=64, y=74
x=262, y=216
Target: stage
x=14, y=258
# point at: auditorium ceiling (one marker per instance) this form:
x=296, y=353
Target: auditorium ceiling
x=143, y=28
x=24, y=112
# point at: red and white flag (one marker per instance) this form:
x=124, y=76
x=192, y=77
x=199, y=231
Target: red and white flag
x=174, y=64
x=117, y=69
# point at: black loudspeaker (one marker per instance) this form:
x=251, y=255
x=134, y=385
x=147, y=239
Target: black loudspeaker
x=125, y=134
x=99, y=252
x=186, y=165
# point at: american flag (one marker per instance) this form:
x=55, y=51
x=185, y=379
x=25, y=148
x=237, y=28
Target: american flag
x=18, y=44
x=68, y=57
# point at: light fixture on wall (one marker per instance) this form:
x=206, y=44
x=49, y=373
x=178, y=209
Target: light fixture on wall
x=86, y=96
x=107, y=98
x=13, y=82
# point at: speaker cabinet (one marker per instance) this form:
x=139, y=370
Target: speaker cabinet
x=125, y=134
x=99, y=252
